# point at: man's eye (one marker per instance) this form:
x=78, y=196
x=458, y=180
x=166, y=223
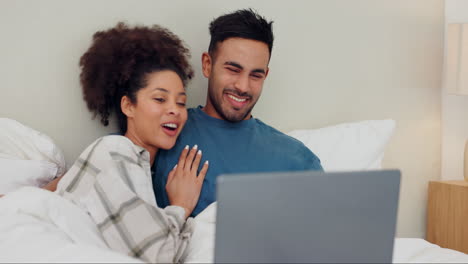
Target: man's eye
x=233, y=70
x=256, y=76
x=181, y=104
x=161, y=100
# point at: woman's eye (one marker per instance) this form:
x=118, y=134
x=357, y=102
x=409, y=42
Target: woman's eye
x=181, y=104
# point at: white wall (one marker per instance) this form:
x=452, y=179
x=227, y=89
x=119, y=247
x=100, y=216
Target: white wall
x=454, y=109
x=333, y=61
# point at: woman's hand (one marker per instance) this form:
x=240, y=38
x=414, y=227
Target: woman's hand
x=183, y=185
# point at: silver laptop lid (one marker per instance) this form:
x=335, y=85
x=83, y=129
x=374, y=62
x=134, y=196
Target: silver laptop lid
x=307, y=217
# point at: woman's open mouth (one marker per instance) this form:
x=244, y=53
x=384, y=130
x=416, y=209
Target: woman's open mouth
x=170, y=128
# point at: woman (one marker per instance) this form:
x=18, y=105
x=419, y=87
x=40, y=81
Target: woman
x=139, y=74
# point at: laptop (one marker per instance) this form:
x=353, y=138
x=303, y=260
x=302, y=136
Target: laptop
x=306, y=216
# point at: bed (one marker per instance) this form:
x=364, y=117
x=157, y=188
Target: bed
x=40, y=226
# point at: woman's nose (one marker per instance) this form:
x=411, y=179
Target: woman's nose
x=174, y=109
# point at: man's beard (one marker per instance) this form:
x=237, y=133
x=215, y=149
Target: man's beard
x=230, y=115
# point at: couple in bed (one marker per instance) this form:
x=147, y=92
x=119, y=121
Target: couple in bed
x=141, y=188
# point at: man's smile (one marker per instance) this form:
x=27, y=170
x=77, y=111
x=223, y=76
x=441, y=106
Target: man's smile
x=236, y=100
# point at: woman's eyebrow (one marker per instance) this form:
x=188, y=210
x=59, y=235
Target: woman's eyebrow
x=167, y=91
x=161, y=89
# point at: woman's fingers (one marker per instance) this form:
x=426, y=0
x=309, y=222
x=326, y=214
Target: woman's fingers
x=196, y=162
x=171, y=174
x=202, y=174
x=183, y=185
x=189, y=161
x=182, y=158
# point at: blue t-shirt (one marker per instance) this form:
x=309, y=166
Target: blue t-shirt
x=240, y=147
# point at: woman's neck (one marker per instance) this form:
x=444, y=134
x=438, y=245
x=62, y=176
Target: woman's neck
x=137, y=141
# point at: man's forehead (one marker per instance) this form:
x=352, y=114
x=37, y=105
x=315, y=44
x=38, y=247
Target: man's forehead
x=244, y=52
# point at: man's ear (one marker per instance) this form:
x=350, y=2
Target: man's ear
x=206, y=64
x=127, y=106
x=267, y=71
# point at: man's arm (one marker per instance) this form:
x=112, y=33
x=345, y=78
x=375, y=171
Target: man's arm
x=307, y=159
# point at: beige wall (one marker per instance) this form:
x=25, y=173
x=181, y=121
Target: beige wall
x=333, y=61
x=454, y=109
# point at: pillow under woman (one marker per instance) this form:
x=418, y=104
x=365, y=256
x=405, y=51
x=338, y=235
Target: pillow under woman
x=139, y=74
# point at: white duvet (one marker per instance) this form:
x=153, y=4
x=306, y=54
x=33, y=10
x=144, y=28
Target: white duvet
x=40, y=226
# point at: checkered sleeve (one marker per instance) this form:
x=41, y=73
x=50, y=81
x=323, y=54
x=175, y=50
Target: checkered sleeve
x=130, y=225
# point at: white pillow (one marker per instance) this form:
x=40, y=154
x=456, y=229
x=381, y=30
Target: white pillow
x=18, y=173
x=349, y=146
x=18, y=141
x=27, y=157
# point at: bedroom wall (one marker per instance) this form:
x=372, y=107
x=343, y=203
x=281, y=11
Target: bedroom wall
x=454, y=109
x=333, y=61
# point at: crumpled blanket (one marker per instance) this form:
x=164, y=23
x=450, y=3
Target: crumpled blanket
x=39, y=226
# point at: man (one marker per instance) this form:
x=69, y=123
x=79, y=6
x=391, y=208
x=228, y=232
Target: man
x=236, y=66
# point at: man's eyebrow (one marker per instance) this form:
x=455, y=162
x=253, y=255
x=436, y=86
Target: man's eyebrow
x=234, y=64
x=259, y=71
x=167, y=91
x=237, y=65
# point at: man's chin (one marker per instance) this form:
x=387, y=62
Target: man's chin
x=236, y=116
x=231, y=114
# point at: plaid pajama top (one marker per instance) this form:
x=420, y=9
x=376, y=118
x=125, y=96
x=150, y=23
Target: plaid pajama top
x=111, y=180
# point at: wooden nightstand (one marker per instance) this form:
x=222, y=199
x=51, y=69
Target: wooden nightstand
x=447, y=214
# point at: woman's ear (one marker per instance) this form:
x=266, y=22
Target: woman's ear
x=127, y=106
x=206, y=64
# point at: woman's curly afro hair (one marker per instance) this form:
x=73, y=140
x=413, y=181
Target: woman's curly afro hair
x=118, y=62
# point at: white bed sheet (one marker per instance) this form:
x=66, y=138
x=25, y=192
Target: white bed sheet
x=40, y=226
x=417, y=250
x=406, y=250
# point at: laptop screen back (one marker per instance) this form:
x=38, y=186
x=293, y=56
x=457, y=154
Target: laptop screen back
x=307, y=217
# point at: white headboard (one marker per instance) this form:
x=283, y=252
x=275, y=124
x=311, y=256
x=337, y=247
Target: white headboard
x=332, y=62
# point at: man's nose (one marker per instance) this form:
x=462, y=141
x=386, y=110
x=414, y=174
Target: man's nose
x=242, y=84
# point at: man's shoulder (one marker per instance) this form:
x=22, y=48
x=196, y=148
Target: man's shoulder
x=292, y=149
x=193, y=111
x=273, y=132
x=194, y=117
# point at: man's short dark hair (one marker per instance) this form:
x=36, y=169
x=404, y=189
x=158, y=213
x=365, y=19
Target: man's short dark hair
x=244, y=23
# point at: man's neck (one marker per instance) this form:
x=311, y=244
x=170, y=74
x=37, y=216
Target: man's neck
x=210, y=111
